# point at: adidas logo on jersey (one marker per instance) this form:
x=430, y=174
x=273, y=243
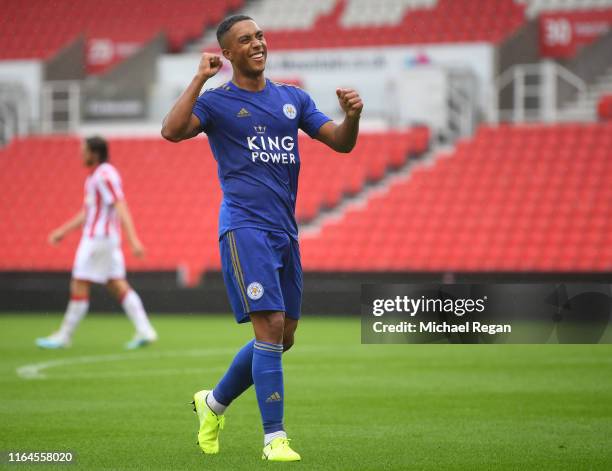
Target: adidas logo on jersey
x=274, y=397
x=243, y=113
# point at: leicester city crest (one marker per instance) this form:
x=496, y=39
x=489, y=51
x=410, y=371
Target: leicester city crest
x=255, y=291
x=289, y=111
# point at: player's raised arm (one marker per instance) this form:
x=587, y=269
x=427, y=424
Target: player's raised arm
x=342, y=137
x=72, y=224
x=180, y=123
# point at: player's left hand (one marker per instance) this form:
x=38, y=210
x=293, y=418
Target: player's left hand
x=138, y=249
x=350, y=102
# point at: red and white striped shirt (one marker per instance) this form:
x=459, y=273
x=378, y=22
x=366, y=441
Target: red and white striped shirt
x=102, y=190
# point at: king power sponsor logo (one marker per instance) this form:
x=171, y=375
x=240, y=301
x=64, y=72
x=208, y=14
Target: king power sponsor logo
x=271, y=149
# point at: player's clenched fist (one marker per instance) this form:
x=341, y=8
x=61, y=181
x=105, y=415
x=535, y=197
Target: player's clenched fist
x=210, y=64
x=350, y=101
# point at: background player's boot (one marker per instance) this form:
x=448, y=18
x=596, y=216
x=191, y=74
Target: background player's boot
x=210, y=423
x=53, y=342
x=279, y=450
x=141, y=340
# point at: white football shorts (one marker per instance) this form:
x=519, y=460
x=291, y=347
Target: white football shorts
x=99, y=260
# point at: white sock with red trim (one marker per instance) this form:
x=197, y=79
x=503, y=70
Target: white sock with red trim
x=132, y=305
x=76, y=310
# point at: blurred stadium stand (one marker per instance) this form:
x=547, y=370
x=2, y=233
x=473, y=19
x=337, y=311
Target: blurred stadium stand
x=604, y=108
x=172, y=190
x=325, y=179
x=535, y=7
x=40, y=28
x=521, y=198
x=358, y=23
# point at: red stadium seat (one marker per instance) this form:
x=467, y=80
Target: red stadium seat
x=604, y=108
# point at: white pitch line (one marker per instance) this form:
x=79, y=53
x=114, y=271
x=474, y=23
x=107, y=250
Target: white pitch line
x=36, y=370
x=139, y=374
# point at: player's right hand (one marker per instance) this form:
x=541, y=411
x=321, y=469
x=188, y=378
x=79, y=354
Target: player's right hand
x=210, y=64
x=55, y=237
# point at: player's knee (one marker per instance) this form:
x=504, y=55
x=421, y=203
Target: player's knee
x=118, y=289
x=269, y=326
x=79, y=288
x=276, y=324
x=112, y=290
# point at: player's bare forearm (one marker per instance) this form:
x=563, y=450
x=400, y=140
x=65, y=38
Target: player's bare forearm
x=72, y=224
x=126, y=221
x=346, y=133
x=340, y=137
x=343, y=137
x=180, y=123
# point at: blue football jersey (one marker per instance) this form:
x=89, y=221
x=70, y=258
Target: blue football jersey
x=253, y=137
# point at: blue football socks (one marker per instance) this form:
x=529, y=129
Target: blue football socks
x=260, y=363
x=268, y=378
x=238, y=377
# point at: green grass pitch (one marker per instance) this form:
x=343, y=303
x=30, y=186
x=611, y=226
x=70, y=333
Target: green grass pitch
x=348, y=406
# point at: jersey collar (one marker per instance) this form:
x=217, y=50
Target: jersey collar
x=235, y=87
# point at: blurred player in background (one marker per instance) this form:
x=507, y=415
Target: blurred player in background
x=99, y=258
x=252, y=125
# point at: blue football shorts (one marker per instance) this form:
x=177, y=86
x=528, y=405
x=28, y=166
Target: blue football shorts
x=262, y=271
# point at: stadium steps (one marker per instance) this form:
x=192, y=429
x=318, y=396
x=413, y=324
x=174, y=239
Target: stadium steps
x=386, y=12
x=281, y=14
x=426, y=158
x=326, y=178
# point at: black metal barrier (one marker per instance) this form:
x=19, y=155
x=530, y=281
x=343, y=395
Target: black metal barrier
x=324, y=293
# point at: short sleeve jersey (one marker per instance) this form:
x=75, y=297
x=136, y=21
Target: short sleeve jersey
x=102, y=190
x=253, y=137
